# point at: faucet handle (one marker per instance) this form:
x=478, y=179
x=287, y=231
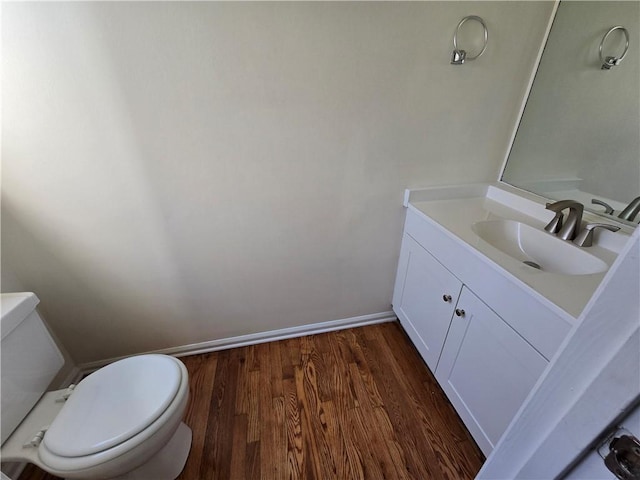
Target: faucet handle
x=585, y=237
x=608, y=209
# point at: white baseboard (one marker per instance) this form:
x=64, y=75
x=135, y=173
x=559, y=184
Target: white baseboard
x=256, y=338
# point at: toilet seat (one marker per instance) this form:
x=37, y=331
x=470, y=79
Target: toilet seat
x=131, y=452
x=113, y=404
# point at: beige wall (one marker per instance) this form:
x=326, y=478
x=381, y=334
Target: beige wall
x=183, y=172
x=9, y=283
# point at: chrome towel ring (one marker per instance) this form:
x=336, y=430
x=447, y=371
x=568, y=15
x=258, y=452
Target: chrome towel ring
x=459, y=56
x=609, y=62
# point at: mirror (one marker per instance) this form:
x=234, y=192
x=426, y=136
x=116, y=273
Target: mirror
x=579, y=134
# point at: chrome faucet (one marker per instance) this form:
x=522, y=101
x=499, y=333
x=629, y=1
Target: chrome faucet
x=570, y=228
x=630, y=212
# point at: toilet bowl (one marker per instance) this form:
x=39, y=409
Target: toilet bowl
x=123, y=421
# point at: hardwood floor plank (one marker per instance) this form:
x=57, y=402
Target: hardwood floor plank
x=395, y=397
x=279, y=431
x=295, y=448
x=202, y=372
x=347, y=405
x=310, y=467
x=287, y=357
x=279, y=439
x=251, y=353
x=319, y=354
x=265, y=407
x=342, y=387
x=295, y=354
x=253, y=466
x=356, y=427
x=343, y=395
x=364, y=369
x=335, y=441
x=440, y=411
x=253, y=403
x=219, y=436
x=244, y=371
x=240, y=444
x=275, y=369
x=385, y=430
x=433, y=419
x=313, y=424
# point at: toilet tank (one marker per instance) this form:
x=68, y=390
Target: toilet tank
x=30, y=358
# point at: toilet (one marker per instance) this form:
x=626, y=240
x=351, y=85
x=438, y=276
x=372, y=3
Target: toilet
x=123, y=421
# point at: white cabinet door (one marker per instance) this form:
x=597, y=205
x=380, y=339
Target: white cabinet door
x=486, y=369
x=424, y=299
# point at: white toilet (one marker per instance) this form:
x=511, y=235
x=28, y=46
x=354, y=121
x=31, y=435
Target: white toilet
x=123, y=421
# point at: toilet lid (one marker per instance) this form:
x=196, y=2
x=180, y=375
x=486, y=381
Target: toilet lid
x=113, y=404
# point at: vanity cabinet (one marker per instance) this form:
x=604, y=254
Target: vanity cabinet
x=485, y=338
x=486, y=369
x=425, y=300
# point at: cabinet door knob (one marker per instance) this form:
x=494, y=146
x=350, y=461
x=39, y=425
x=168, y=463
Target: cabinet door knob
x=459, y=312
x=446, y=298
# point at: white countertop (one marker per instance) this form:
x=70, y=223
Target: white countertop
x=456, y=209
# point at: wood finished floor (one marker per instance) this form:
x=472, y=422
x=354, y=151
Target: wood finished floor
x=352, y=404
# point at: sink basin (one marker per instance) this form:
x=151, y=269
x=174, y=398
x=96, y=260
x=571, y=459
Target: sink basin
x=538, y=248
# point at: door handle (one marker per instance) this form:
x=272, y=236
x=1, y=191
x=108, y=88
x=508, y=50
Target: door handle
x=623, y=459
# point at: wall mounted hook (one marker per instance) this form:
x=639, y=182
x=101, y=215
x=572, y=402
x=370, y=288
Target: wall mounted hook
x=459, y=56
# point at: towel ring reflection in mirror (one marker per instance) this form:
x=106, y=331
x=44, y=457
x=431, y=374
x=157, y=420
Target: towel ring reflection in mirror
x=459, y=56
x=609, y=62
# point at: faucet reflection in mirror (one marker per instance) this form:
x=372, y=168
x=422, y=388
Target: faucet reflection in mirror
x=579, y=134
x=629, y=213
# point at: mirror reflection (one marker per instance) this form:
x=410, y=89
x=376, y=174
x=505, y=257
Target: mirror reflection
x=579, y=135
